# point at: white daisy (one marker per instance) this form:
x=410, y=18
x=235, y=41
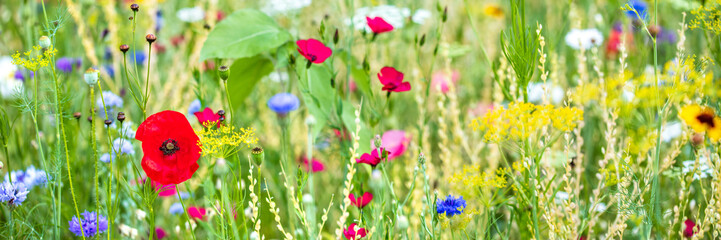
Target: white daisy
x=584, y=38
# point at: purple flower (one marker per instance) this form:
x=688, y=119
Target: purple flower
x=282, y=103
x=194, y=107
x=91, y=223
x=111, y=101
x=666, y=36
x=451, y=206
x=13, y=194
x=107, y=157
x=31, y=177
x=176, y=208
x=123, y=146
x=20, y=75
x=66, y=64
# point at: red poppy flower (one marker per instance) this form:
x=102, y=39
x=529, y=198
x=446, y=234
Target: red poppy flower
x=196, y=212
x=378, y=25
x=207, y=115
x=392, y=80
x=688, y=231
x=313, y=50
x=313, y=165
x=170, y=147
x=372, y=159
x=351, y=233
x=361, y=201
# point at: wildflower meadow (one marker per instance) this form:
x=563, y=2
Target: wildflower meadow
x=360, y=119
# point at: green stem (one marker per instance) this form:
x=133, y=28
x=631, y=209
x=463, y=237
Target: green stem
x=95, y=153
x=230, y=104
x=147, y=81
x=187, y=216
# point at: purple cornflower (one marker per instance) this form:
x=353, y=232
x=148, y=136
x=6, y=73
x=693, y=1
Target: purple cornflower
x=66, y=64
x=13, y=194
x=22, y=76
x=282, y=103
x=31, y=177
x=451, y=206
x=91, y=223
x=112, y=101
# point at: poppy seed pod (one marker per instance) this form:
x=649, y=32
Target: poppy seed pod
x=150, y=38
x=45, y=42
x=135, y=7
x=90, y=119
x=224, y=72
x=258, y=155
x=77, y=115
x=124, y=48
x=221, y=112
x=121, y=117
x=108, y=122
x=91, y=76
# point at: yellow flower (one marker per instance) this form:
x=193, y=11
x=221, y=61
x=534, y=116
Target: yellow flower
x=522, y=120
x=224, y=140
x=702, y=119
x=493, y=10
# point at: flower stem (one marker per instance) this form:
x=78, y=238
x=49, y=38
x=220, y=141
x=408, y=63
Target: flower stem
x=187, y=216
x=230, y=104
x=95, y=153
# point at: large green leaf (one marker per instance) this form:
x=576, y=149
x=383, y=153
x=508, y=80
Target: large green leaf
x=244, y=74
x=317, y=94
x=360, y=76
x=245, y=33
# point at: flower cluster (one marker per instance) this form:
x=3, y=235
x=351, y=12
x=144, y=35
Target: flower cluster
x=451, y=206
x=13, y=193
x=34, y=61
x=706, y=18
x=223, y=141
x=521, y=120
x=31, y=177
x=91, y=223
x=472, y=177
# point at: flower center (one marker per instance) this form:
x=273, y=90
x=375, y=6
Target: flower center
x=706, y=119
x=169, y=146
x=312, y=57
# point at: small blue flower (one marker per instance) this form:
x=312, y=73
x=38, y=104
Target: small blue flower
x=176, y=208
x=451, y=206
x=139, y=58
x=640, y=6
x=107, y=157
x=66, y=64
x=112, y=101
x=123, y=146
x=283, y=103
x=13, y=194
x=91, y=222
x=184, y=195
x=110, y=70
x=194, y=107
x=31, y=177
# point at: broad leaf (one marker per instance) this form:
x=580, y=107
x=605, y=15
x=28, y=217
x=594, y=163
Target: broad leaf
x=317, y=94
x=245, y=33
x=244, y=74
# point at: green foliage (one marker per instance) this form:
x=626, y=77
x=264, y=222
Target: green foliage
x=245, y=33
x=244, y=75
x=520, y=47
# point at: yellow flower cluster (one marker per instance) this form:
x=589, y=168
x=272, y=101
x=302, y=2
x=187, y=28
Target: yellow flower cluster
x=706, y=18
x=34, y=61
x=224, y=140
x=458, y=222
x=521, y=120
x=473, y=178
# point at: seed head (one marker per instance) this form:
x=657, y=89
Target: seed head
x=124, y=48
x=135, y=7
x=150, y=38
x=224, y=72
x=45, y=42
x=121, y=117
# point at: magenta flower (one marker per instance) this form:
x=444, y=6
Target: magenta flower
x=372, y=159
x=378, y=25
x=196, y=212
x=314, y=165
x=395, y=142
x=361, y=201
x=441, y=80
x=206, y=116
x=313, y=50
x=392, y=80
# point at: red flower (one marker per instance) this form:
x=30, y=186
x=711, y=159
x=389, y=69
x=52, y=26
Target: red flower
x=688, y=231
x=351, y=233
x=314, y=165
x=392, y=80
x=361, y=201
x=372, y=159
x=378, y=25
x=196, y=212
x=170, y=147
x=313, y=50
x=207, y=115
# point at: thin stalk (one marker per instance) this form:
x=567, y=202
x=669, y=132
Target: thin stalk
x=230, y=104
x=147, y=81
x=187, y=216
x=95, y=153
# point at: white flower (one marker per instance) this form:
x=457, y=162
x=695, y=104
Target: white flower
x=628, y=92
x=307, y=199
x=127, y=231
x=140, y=214
x=420, y=16
x=190, y=15
x=536, y=92
x=273, y=7
x=8, y=83
x=584, y=38
x=278, y=77
x=254, y=235
x=671, y=131
x=703, y=170
x=391, y=14
x=561, y=196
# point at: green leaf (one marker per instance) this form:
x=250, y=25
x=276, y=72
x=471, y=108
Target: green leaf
x=360, y=76
x=317, y=94
x=244, y=74
x=364, y=145
x=245, y=33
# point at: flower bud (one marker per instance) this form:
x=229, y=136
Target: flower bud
x=445, y=14
x=135, y=7
x=121, y=117
x=150, y=38
x=77, y=115
x=422, y=41
x=124, y=48
x=45, y=42
x=221, y=112
x=697, y=139
x=91, y=76
x=377, y=141
x=335, y=37
x=108, y=122
x=258, y=155
x=402, y=223
x=224, y=72
x=90, y=119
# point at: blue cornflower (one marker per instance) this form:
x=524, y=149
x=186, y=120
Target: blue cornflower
x=65, y=64
x=123, y=146
x=139, y=57
x=111, y=101
x=640, y=6
x=176, y=208
x=194, y=107
x=13, y=194
x=451, y=206
x=31, y=177
x=127, y=130
x=107, y=157
x=92, y=224
x=110, y=70
x=283, y=103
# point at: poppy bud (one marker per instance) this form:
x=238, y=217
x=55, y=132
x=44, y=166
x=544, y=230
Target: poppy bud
x=91, y=76
x=366, y=66
x=322, y=27
x=654, y=30
x=45, y=42
x=90, y=119
x=150, y=38
x=108, y=122
x=697, y=139
x=291, y=59
x=421, y=158
x=335, y=37
x=422, y=41
x=435, y=50
x=121, y=117
x=445, y=14
x=124, y=48
x=221, y=112
x=221, y=118
x=258, y=155
x=135, y=7
x=224, y=72
x=77, y=115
